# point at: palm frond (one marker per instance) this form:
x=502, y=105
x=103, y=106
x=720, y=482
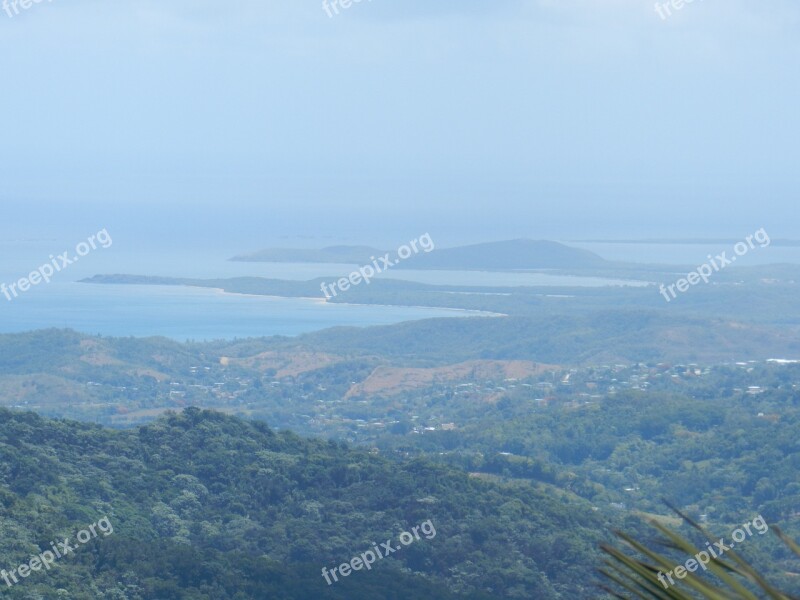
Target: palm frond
x=640, y=574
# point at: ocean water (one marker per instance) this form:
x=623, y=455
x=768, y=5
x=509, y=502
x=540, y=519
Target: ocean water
x=177, y=312
x=192, y=313
x=185, y=313
x=200, y=314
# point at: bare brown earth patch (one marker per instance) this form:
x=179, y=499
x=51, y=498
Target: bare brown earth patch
x=288, y=365
x=97, y=354
x=387, y=381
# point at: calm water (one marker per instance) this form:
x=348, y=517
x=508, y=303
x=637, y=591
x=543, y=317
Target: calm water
x=189, y=313
x=174, y=311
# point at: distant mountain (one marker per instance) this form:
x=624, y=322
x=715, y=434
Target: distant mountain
x=509, y=255
x=491, y=256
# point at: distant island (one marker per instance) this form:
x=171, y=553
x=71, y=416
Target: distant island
x=512, y=255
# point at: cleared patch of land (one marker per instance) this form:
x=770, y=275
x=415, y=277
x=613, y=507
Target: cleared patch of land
x=287, y=364
x=388, y=381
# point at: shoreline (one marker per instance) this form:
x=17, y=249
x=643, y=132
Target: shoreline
x=314, y=299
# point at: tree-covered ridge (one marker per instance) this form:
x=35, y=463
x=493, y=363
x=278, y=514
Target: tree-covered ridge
x=719, y=441
x=198, y=497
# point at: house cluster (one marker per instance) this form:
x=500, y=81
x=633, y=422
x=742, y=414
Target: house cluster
x=316, y=400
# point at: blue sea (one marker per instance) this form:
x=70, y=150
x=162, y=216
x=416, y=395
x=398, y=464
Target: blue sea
x=185, y=313
x=178, y=312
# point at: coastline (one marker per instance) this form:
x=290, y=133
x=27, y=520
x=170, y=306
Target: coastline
x=314, y=299
x=317, y=300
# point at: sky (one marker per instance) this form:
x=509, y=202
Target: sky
x=265, y=122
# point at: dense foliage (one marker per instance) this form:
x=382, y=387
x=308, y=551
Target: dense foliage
x=211, y=507
x=522, y=476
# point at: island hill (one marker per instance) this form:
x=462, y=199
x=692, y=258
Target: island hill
x=512, y=255
x=507, y=256
x=772, y=287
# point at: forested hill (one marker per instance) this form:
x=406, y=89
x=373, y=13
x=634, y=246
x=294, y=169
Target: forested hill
x=205, y=506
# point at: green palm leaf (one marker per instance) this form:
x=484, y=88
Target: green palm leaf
x=634, y=572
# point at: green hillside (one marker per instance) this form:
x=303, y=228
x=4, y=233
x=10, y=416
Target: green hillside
x=205, y=506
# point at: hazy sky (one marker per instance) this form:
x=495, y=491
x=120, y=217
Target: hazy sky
x=248, y=120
